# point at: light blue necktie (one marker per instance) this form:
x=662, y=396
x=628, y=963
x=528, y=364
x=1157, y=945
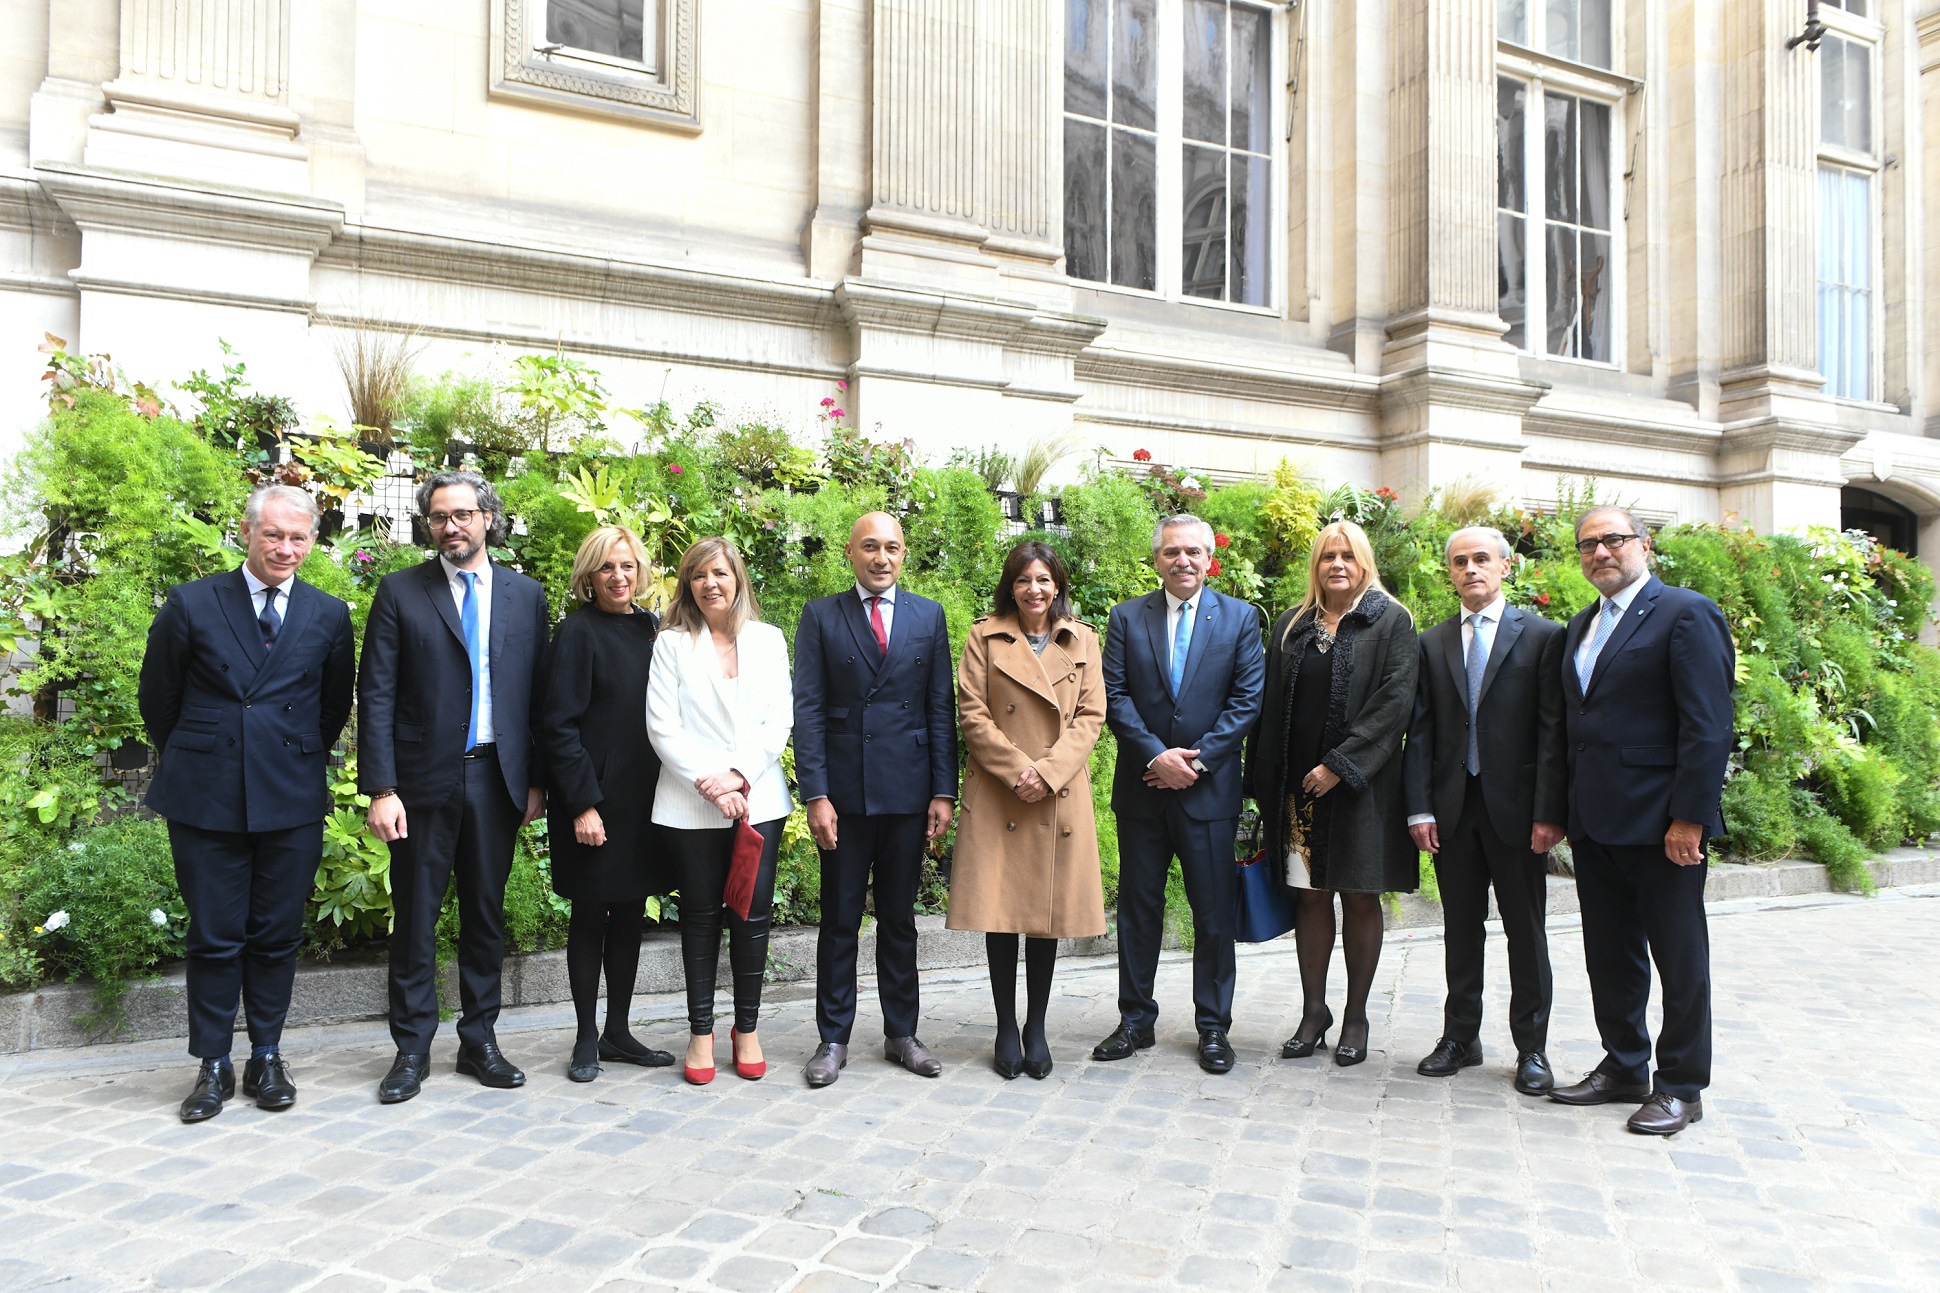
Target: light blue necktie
x=1478, y=661
x=468, y=616
x=1604, y=624
x=1181, y=643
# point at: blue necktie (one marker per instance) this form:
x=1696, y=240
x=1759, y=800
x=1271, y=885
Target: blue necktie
x=468, y=616
x=1604, y=624
x=1478, y=661
x=269, y=620
x=1181, y=643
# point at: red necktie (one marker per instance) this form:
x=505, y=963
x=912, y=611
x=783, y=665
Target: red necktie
x=875, y=625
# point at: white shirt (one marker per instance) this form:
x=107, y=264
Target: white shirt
x=453, y=577
x=257, y=589
x=1586, y=651
x=1493, y=613
x=888, y=596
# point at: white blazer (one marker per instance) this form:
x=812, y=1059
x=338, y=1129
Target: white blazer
x=702, y=723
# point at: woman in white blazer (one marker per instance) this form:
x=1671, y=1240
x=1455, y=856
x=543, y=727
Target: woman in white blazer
x=719, y=709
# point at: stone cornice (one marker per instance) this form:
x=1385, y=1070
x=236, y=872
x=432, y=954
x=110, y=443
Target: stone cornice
x=113, y=201
x=1288, y=434
x=1788, y=434
x=1288, y=386
x=25, y=205
x=1460, y=389
x=1625, y=428
x=1015, y=325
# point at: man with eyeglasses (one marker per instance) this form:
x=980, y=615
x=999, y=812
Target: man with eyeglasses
x=1647, y=674
x=452, y=660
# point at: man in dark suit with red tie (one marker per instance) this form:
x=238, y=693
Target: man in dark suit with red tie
x=1647, y=675
x=245, y=686
x=876, y=759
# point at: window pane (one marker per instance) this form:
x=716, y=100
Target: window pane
x=1846, y=94
x=1510, y=158
x=1595, y=152
x=615, y=28
x=1511, y=277
x=1845, y=276
x=1859, y=229
x=1203, y=269
x=1252, y=230
x=1559, y=157
x=1593, y=340
x=1205, y=71
x=1512, y=20
x=1087, y=26
x=1134, y=210
x=1594, y=33
x=1084, y=200
x=1559, y=27
x=1134, y=64
x=1252, y=79
x=1560, y=299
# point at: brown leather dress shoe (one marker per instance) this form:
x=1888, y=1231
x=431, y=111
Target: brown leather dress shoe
x=1665, y=1115
x=912, y=1055
x=1600, y=1088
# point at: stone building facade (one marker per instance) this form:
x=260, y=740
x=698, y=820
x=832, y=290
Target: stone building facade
x=1405, y=242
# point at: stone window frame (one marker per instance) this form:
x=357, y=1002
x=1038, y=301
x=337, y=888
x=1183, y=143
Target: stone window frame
x=1542, y=74
x=1869, y=32
x=1168, y=194
x=668, y=97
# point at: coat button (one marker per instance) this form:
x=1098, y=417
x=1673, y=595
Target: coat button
x=232, y=740
x=286, y=740
x=286, y=709
x=1010, y=826
x=249, y=706
x=1061, y=793
x=867, y=736
x=225, y=668
x=905, y=704
x=1067, y=832
x=1579, y=745
x=1010, y=709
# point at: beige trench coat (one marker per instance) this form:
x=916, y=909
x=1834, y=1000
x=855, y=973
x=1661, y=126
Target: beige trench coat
x=1023, y=868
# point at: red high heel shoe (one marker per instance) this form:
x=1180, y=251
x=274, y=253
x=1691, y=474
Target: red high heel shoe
x=699, y=1077
x=752, y=1072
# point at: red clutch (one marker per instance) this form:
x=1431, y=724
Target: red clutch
x=743, y=865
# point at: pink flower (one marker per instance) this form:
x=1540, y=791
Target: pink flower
x=838, y=413
x=675, y=468
x=828, y=401
x=841, y=386
x=1141, y=455
x=1222, y=541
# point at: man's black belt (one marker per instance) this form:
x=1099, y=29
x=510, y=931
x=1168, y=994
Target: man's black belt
x=489, y=750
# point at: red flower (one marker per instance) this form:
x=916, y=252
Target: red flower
x=1222, y=541
x=1542, y=599
x=1213, y=568
x=1141, y=455
x=1385, y=492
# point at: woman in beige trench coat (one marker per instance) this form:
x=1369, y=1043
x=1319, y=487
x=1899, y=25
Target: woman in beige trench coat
x=1031, y=703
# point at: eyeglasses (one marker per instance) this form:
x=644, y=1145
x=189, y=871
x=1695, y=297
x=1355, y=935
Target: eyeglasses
x=463, y=519
x=1614, y=542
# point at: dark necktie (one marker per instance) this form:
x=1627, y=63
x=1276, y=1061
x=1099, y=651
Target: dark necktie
x=269, y=620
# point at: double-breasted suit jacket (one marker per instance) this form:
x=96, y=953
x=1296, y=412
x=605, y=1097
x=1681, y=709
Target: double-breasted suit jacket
x=1023, y=868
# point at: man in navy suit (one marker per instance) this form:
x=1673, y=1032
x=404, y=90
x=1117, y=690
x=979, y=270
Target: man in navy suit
x=245, y=686
x=876, y=759
x=1184, y=668
x=453, y=655
x=1647, y=674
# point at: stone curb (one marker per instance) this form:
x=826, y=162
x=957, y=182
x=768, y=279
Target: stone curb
x=335, y=993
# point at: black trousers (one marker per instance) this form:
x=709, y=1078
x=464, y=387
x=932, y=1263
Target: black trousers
x=469, y=838
x=701, y=860
x=1639, y=906
x=888, y=846
x=1146, y=847
x=1473, y=857
x=245, y=894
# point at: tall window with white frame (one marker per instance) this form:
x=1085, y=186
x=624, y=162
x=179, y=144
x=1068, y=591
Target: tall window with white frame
x=1847, y=167
x=1556, y=243
x=1169, y=147
x=621, y=32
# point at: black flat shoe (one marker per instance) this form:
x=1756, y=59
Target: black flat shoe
x=584, y=1065
x=1297, y=1048
x=267, y=1082
x=1124, y=1042
x=489, y=1065
x=405, y=1079
x=1450, y=1057
x=215, y=1082
x=632, y=1052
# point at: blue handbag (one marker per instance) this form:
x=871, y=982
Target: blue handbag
x=1263, y=908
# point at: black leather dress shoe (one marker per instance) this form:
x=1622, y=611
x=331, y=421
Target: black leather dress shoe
x=267, y=1082
x=215, y=1082
x=485, y=1062
x=1532, y=1074
x=1598, y=1087
x=405, y=1079
x=1215, y=1052
x=1665, y=1115
x=1450, y=1057
x=1125, y=1042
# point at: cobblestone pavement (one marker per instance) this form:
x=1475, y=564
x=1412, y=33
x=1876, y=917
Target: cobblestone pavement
x=1817, y=1164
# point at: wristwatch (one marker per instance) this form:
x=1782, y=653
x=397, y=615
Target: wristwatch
x=379, y=793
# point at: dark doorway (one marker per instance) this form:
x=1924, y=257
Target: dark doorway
x=1887, y=521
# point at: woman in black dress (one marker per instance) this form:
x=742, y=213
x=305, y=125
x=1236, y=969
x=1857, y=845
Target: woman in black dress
x=1326, y=770
x=606, y=851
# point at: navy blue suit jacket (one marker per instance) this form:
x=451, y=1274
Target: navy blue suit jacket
x=1648, y=739
x=242, y=734
x=874, y=733
x=1218, y=701
x=414, y=700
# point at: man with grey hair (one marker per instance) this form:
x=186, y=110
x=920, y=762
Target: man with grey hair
x=1184, y=668
x=245, y=686
x=1483, y=777
x=446, y=752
